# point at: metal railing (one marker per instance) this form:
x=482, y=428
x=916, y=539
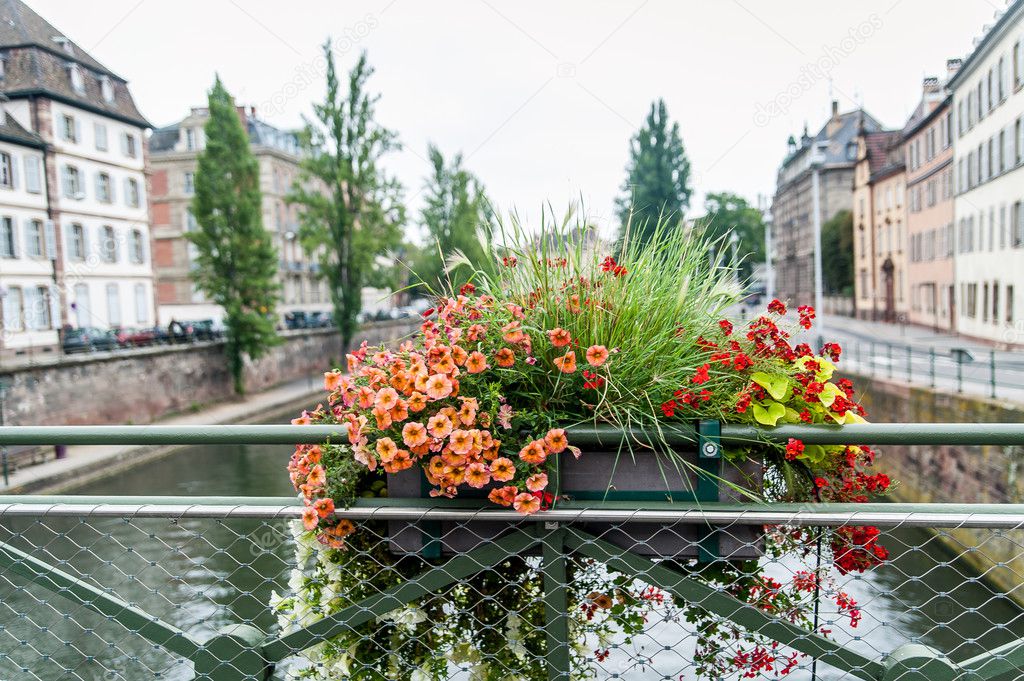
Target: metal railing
x=179, y=587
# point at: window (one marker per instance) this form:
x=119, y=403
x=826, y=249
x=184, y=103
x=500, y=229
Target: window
x=108, y=244
x=995, y=302
x=33, y=175
x=14, y=304
x=113, y=305
x=104, y=188
x=77, y=79
x=71, y=181
x=6, y=171
x=1009, y=303
x=972, y=300
x=82, y=305
x=1016, y=64
x=128, y=144
x=37, y=308
x=100, y=133
x=131, y=192
x=35, y=244
x=1002, y=80
x=190, y=139
x=8, y=245
x=190, y=183
x=69, y=129
x=141, y=304
x=76, y=242
x=107, y=89
x=138, y=247
x=984, y=302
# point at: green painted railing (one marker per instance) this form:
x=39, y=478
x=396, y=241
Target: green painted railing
x=243, y=652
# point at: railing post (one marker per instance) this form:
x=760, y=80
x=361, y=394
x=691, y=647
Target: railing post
x=910, y=364
x=888, y=354
x=992, y=372
x=871, y=357
x=931, y=365
x=959, y=372
x=557, y=656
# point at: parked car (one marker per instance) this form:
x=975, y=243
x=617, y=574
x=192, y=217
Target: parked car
x=89, y=339
x=135, y=338
x=296, y=320
x=204, y=329
x=318, y=320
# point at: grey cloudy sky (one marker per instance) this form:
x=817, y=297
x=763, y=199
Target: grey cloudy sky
x=542, y=97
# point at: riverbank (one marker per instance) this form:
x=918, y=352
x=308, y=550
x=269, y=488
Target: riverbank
x=86, y=463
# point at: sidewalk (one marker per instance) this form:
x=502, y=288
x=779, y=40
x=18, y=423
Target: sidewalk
x=84, y=462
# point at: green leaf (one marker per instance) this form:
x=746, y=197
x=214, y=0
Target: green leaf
x=829, y=394
x=776, y=385
x=814, y=453
x=769, y=414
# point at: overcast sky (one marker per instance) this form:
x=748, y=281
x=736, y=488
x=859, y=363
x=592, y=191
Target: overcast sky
x=542, y=96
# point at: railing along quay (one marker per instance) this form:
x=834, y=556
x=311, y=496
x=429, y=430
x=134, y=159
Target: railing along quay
x=135, y=587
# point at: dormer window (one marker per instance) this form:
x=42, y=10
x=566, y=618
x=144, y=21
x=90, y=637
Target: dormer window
x=77, y=78
x=107, y=89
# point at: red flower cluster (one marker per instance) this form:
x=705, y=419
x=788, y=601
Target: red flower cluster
x=610, y=265
x=807, y=315
x=856, y=549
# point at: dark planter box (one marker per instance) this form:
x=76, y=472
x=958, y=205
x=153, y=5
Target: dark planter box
x=600, y=475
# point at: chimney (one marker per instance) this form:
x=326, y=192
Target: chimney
x=929, y=85
x=835, y=109
x=952, y=66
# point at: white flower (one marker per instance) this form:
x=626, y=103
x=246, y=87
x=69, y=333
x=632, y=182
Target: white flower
x=407, y=617
x=420, y=675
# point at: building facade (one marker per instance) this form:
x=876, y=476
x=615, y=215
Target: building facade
x=833, y=152
x=928, y=156
x=173, y=155
x=880, y=227
x=988, y=149
x=92, y=187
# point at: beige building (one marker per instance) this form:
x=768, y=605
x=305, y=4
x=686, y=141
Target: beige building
x=928, y=153
x=880, y=227
x=792, y=208
x=173, y=153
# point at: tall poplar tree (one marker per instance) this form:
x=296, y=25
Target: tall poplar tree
x=657, y=182
x=235, y=263
x=350, y=212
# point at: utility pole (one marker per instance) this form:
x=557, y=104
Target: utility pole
x=817, y=160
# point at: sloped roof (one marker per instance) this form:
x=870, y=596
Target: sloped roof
x=12, y=131
x=36, y=63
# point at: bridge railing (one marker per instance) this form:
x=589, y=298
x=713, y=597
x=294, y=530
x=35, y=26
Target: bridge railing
x=179, y=587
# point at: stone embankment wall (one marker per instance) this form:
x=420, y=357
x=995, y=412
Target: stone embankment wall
x=956, y=474
x=141, y=386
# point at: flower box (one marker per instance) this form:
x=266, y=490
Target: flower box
x=606, y=474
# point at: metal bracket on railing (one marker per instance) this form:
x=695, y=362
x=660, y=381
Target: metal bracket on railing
x=709, y=458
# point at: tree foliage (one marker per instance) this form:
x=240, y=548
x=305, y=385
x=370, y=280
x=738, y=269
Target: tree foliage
x=235, y=263
x=350, y=211
x=657, y=177
x=457, y=218
x=728, y=214
x=837, y=254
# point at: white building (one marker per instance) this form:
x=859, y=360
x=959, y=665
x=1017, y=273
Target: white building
x=988, y=149
x=92, y=196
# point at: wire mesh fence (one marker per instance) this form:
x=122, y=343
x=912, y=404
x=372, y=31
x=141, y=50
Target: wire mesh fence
x=238, y=591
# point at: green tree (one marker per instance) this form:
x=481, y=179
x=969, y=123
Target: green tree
x=837, y=254
x=728, y=214
x=456, y=216
x=350, y=212
x=657, y=176
x=235, y=264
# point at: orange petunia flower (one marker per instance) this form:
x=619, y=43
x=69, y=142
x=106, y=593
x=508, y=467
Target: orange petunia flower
x=566, y=363
x=555, y=441
x=502, y=469
x=559, y=337
x=476, y=332
x=467, y=414
x=399, y=412
x=505, y=357
x=476, y=362
x=511, y=332
x=386, y=399
x=332, y=379
x=459, y=355
x=310, y=519
x=439, y=426
x=417, y=402
x=503, y=496
x=461, y=441
x=383, y=417
x=323, y=507
x=400, y=462
x=303, y=420
x=386, y=448
x=366, y=397
x=534, y=452
x=477, y=475
x=439, y=387
x=414, y=434
x=444, y=365
x=597, y=355
x=317, y=476
x=526, y=503
x=537, y=482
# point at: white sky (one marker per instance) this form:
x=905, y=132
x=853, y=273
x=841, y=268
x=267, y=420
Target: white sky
x=542, y=97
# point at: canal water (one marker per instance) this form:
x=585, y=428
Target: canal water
x=225, y=571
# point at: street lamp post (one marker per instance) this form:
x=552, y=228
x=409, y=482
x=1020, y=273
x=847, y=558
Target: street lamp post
x=817, y=160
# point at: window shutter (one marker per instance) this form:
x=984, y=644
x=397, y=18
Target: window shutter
x=126, y=185
x=15, y=240
x=14, y=171
x=113, y=190
x=78, y=131
x=32, y=183
x=50, y=239
x=54, y=307
x=99, y=186
x=85, y=242
x=27, y=227
x=124, y=144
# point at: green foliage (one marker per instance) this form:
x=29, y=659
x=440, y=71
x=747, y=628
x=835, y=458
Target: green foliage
x=837, y=253
x=657, y=186
x=351, y=213
x=235, y=264
x=728, y=214
x=457, y=218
